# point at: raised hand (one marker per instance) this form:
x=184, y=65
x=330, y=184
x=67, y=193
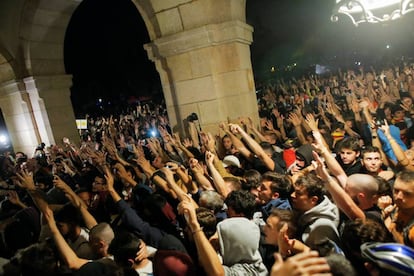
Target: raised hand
x=209, y=157
x=109, y=180
x=306, y=263
x=235, y=129
x=60, y=184
x=312, y=123
x=195, y=166
x=25, y=180
x=294, y=119
x=385, y=128
x=187, y=142
x=14, y=198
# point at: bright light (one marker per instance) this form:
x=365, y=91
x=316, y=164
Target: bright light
x=272, y=69
x=372, y=11
x=3, y=139
x=100, y=100
x=388, y=46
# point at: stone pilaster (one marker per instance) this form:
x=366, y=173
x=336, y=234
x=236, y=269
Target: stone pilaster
x=52, y=107
x=207, y=70
x=19, y=118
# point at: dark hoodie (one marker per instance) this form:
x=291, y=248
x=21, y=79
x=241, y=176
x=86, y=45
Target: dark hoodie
x=305, y=153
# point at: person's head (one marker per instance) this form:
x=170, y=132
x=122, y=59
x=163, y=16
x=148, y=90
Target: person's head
x=157, y=162
x=99, y=184
x=340, y=266
x=384, y=187
x=349, y=150
x=240, y=204
x=388, y=109
x=406, y=99
x=276, y=220
x=386, y=259
x=100, y=237
x=239, y=241
x=274, y=185
x=252, y=179
x=268, y=148
x=131, y=173
x=85, y=195
x=404, y=190
x=68, y=220
x=37, y=259
x=308, y=192
x=227, y=143
x=124, y=248
x=207, y=221
x=363, y=189
x=174, y=263
x=371, y=159
x=338, y=130
x=232, y=183
x=303, y=158
x=211, y=200
x=270, y=137
x=398, y=112
x=357, y=232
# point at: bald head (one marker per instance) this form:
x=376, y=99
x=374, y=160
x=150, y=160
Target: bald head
x=361, y=183
x=103, y=232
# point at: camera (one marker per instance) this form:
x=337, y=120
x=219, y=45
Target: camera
x=192, y=117
x=379, y=123
x=41, y=146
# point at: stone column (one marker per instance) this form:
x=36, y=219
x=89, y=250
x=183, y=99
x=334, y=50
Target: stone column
x=52, y=107
x=207, y=70
x=19, y=117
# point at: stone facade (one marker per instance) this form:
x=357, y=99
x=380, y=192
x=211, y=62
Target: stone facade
x=200, y=49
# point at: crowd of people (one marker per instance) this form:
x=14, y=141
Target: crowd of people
x=323, y=186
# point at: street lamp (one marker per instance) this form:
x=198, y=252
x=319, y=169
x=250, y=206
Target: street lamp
x=372, y=11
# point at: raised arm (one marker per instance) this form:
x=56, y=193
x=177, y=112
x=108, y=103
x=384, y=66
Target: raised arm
x=198, y=173
x=396, y=148
x=76, y=201
x=341, y=198
x=237, y=143
x=297, y=123
x=333, y=165
x=255, y=147
x=217, y=178
x=151, y=235
x=67, y=254
x=206, y=254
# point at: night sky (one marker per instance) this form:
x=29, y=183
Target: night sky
x=104, y=45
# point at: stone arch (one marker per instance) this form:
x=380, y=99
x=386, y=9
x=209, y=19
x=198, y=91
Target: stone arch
x=6, y=68
x=200, y=49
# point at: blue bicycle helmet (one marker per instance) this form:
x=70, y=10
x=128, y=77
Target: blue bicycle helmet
x=390, y=257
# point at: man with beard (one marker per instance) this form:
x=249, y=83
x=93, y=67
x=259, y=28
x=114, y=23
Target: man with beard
x=399, y=218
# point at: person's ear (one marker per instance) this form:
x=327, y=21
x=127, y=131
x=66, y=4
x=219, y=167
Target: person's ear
x=131, y=262
x=314, y=200
x=358, y=153
x=275, y=195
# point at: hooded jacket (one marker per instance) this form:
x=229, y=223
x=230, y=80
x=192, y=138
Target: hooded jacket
x=239, y=247
x=320, y=223
x=305, y=152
